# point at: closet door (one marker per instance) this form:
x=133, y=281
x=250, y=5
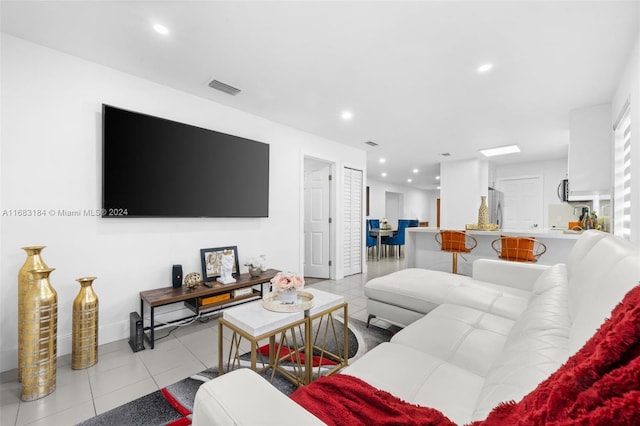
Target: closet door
x=353, y=222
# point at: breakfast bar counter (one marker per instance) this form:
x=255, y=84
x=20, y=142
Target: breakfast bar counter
x=422, y=250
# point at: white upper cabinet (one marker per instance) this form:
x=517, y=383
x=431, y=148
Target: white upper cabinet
x=590, y=149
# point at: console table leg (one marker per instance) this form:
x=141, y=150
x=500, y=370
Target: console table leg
x=220, y=351
x=152, y=340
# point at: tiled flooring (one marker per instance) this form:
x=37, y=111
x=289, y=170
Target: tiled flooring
x=122, y=375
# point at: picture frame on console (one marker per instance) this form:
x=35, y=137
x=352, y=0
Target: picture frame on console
x=211, y=259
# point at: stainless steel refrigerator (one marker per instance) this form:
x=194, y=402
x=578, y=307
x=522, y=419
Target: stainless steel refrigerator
x=495, y=202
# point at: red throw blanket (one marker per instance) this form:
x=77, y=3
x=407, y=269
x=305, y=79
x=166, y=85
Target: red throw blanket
x=599, y=385
x=346, y=400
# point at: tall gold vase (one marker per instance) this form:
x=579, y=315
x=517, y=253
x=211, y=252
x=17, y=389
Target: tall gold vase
x=40, y=337
x=483, y=213
x=84, y=338
x=25, y=280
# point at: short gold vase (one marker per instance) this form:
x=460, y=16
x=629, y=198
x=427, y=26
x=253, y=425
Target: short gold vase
x=84, y=337
x=40, y=342
x=25, y=280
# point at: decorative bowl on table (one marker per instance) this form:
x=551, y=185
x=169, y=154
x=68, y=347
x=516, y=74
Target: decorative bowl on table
x=273, y=302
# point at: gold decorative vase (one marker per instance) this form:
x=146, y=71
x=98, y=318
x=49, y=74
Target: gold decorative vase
x=84, y=337
x=40, y=330
x=25, y=280
x=483, y=213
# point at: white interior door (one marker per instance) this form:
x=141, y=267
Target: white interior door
x=523, y=204
x=353, y=222
x=317, y=214
x=393, y=207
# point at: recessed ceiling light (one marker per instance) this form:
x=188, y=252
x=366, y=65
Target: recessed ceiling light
x=437, y=187
x=415, y=170
x=484, y=67
x=161, y=29
x=501, y=150
x=409, y=180
x=347, y=115
x=384, y=174
x=382, y=160
x=437, y=177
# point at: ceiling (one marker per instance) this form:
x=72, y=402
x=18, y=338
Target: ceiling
x=406, y=70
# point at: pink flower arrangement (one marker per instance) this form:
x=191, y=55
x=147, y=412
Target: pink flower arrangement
x=285, y=281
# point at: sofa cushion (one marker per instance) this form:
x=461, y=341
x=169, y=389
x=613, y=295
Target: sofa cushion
x=584, y=244
x=420, y=378
x=421, y=290
x=217, y=403
x=466, y=337
x=598, y=385
x=534, y=348
x=592, y=271
x=599, y=300
x=519, y=369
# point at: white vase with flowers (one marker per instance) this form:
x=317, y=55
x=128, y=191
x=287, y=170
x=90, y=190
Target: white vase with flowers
x=287, y=285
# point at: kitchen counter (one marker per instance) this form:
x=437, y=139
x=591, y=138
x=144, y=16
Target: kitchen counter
x=422, y=250
x=540, y=233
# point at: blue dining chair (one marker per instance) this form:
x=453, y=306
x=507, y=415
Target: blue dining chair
x=372, y=241
x=397, y=239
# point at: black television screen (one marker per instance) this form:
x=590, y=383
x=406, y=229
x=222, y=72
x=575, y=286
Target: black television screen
x=153, y=167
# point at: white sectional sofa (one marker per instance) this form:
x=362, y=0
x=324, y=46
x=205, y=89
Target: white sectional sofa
x=469, y=343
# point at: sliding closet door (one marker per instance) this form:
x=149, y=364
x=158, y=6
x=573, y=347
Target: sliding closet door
x=353, y=223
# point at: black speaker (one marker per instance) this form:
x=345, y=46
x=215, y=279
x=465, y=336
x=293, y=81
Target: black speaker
x=176, y=276
x=136, y=333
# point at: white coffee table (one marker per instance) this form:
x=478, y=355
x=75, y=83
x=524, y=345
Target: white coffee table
x=255, y=323
x=320, y=318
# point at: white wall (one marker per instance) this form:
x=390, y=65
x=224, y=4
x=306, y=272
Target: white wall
x=629, y=88
x=51, y=157
x=417, y=202
x=552, y=172
x=462, y=183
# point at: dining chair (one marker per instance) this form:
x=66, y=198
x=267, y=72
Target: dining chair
x=372, y=241
x=518, y=249
x=398, y=238
x=455, y=242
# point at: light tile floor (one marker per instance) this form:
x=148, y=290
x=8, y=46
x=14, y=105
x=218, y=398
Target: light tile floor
x=122, y=375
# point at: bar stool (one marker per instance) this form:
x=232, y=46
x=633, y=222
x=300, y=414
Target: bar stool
x=518, y=249
x=455, y=242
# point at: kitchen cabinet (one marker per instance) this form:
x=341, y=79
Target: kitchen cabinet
x=590, y=147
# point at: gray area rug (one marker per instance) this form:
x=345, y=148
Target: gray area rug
x=174, y=404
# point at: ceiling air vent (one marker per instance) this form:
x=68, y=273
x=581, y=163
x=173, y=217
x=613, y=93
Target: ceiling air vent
x=446, y=154
x=371, y=143
x=223, y=87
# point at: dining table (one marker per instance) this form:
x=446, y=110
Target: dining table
x=379, y=233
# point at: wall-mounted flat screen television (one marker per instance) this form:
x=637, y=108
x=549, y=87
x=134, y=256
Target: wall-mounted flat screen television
x=153, y=167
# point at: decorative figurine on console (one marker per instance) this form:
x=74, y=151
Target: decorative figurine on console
x=226, y=268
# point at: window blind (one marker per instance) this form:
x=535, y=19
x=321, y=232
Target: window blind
x=622, y=175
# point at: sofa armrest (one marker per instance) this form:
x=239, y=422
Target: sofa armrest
x=243, y=397
x=511, y=274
